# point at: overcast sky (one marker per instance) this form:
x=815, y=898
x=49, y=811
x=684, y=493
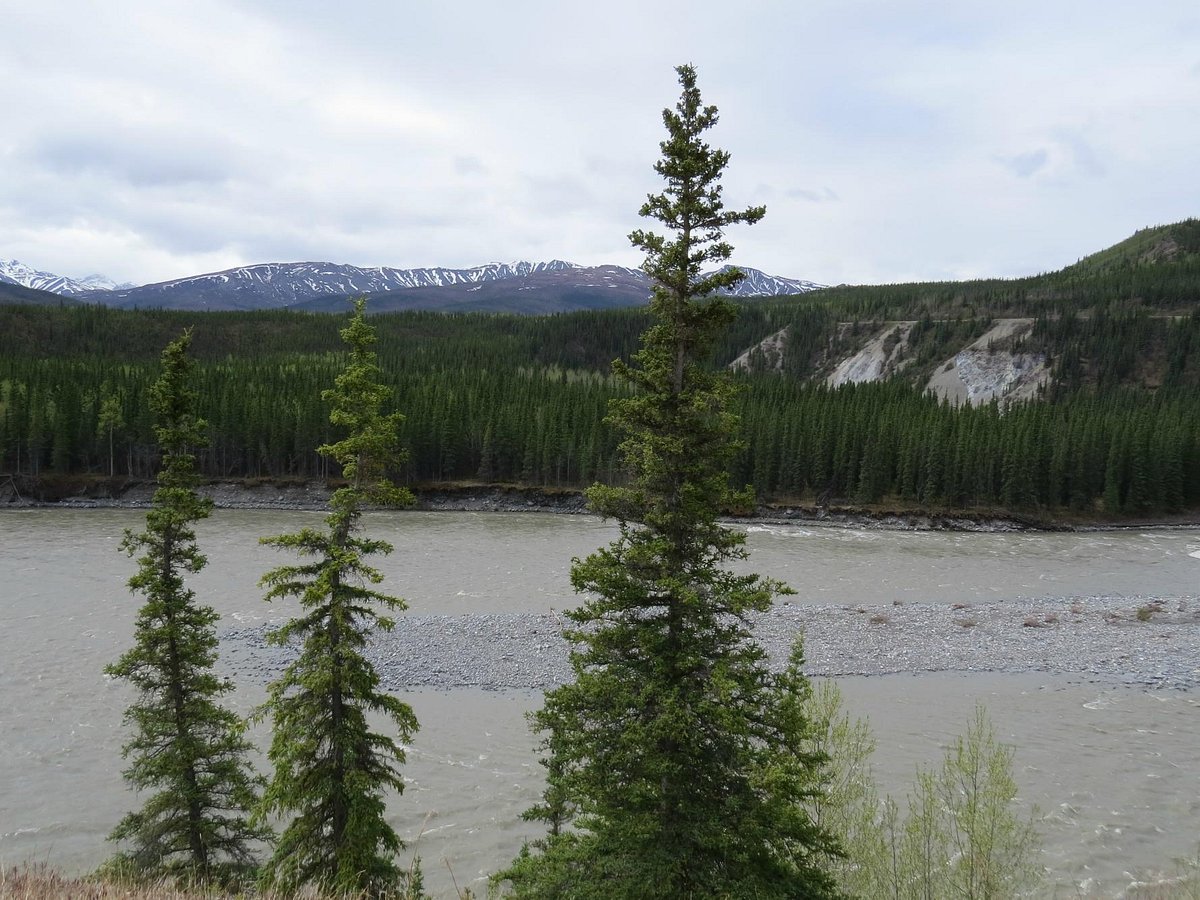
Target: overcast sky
x=890, y=141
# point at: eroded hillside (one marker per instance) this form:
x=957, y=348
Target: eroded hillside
x=988, y=367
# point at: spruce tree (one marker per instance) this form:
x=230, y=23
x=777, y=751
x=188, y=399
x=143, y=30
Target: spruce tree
x=674, y=758
x=188, y=749
x=332, y=770
x=110, y=419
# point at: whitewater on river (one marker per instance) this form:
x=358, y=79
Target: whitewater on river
x=917, y=626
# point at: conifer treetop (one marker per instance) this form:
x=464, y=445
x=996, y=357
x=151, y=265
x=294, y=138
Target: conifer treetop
x=178, y=429
x=691, y=203
x=372, y=443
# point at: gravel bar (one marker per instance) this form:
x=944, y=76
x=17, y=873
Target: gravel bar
x=1149, y=641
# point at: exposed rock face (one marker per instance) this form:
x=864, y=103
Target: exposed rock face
x=769, y=349
x=984, y=371
x=881, y=357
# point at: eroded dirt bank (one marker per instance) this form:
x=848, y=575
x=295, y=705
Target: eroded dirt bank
x=122, y=493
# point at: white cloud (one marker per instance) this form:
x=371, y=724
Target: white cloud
x=890, y=140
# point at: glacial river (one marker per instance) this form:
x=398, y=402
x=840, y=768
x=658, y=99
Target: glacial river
x=1114, y=770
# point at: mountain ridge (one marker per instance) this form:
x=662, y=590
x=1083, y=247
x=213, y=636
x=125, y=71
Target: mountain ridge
x=1146, y=246
x=520, y=287
x=14, y=271
x=560, y=286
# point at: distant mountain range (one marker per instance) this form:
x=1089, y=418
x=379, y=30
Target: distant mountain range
x=521, y=287
x=14, y=272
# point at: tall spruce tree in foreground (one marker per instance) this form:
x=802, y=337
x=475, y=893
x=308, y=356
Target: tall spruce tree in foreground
x=331, y=769
x=187, y=749
x=675, y=759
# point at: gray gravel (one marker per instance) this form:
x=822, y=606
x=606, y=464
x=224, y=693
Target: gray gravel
x=1099, y=638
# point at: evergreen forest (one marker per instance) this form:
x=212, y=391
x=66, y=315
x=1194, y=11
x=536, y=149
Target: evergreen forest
x=493, y=398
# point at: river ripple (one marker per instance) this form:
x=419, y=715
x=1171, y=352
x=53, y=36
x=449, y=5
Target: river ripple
x=1113, y=768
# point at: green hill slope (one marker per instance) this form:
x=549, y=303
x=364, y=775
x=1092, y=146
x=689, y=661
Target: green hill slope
x=1127, y=315
x=1176, y=243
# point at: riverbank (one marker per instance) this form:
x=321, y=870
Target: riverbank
x=95, y=492
x=1143, y=641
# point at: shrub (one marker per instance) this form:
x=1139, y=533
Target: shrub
x=959, y=836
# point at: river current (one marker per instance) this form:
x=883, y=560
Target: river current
x=1114, y=770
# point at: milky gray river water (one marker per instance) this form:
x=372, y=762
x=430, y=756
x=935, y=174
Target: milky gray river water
x=1115, y=770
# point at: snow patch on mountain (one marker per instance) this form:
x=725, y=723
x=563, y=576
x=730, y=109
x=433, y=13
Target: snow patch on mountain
x=760, y=284
x=282, y=284
x=14, y=271
x=277, y=285
x=301, y=284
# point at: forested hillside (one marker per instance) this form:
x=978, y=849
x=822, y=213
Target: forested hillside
x=1112, y=318
x=17, y=293
x=1116, y=430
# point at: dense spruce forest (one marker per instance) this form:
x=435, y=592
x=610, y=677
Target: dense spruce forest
x=503, y=398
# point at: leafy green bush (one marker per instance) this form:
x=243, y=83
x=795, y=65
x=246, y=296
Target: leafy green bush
x=959, y=835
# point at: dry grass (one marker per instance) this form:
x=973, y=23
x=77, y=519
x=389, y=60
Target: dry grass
x=43, y=883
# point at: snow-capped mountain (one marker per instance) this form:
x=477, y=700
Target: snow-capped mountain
x=15, y=272
x=275, y=285
x=524, y=287
x=514, y=287
x=760, y=284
